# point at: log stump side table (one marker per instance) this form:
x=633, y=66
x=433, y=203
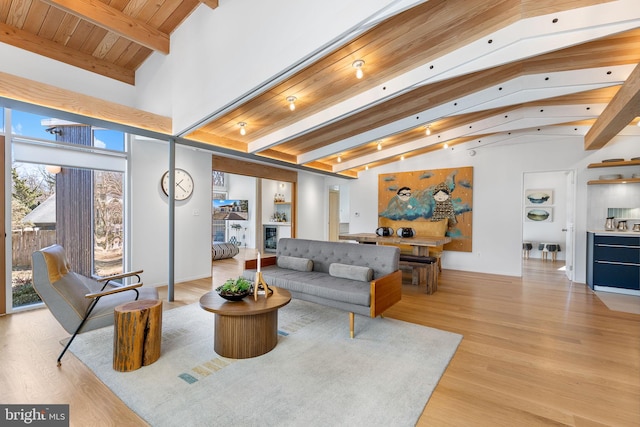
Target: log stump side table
x=137, y=334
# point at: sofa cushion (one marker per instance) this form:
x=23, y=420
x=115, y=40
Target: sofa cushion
x=295, y=263
x=382, y=260
x=318, y=284
x=353, y=272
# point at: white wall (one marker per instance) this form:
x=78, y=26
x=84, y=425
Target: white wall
x=497, y=196
x=150, y=214
x=30, y=66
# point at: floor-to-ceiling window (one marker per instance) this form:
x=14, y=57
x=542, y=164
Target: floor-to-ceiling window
x=67, y=187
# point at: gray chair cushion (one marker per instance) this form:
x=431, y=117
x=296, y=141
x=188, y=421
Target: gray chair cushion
x=295, y=263
x=353, y=272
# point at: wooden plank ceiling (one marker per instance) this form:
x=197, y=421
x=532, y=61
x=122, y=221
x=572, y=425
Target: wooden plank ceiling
x=471, y=73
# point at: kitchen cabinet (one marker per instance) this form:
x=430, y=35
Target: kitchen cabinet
x=613, y=261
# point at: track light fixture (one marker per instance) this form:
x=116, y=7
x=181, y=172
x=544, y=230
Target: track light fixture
x=52, y=169
x=428, y=132
x=445, y=145
x=339, y=159
x=243, y=128
x=54, y=130
x=379, y=146
x=292, y=102
x=358, y=64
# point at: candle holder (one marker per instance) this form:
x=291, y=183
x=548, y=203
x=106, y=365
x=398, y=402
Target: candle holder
x=259, y=283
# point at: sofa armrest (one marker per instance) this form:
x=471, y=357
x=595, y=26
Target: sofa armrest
x=385, y=292
x=252, y=264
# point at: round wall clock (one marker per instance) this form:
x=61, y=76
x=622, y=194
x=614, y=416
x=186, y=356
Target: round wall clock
x=184, y=184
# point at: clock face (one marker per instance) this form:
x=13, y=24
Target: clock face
x=184, y=184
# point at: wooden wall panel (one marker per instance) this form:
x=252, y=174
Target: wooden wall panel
x=74, y=206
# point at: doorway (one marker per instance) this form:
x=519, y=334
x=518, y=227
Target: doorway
x=548, y=221
x=334, y=215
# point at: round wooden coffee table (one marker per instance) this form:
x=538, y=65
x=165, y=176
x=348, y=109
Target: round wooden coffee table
x=246, y=328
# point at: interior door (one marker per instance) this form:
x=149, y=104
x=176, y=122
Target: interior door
x=334, y=215
x=569, y=224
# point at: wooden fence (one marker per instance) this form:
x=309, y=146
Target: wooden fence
x=25, y=242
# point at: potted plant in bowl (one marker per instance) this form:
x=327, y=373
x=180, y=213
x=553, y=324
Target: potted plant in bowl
x=235, y=289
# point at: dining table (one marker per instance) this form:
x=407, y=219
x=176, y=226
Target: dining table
x=419, y=247
x=419, y=244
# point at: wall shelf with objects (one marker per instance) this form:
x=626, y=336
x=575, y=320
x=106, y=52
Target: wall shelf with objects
x=634, y=179
x=614, y=164
x=614, y=181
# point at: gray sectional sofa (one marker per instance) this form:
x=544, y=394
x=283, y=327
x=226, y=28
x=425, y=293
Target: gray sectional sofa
x=362, y=279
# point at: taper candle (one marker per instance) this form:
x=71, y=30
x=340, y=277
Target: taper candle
x=258, y=261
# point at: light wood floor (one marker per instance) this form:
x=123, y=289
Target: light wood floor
x=537, y=351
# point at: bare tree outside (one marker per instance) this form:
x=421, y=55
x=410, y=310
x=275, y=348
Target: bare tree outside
x=108, y=223
x=31, y=186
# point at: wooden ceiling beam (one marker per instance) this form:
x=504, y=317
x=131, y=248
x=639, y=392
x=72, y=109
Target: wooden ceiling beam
x=622, y=109
x=115, y=21
x=36, y=93
x=211, y=3
x=32, y=43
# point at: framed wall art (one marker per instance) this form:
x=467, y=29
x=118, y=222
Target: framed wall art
x=538, y=197
x=538, y=214
x=406, y=199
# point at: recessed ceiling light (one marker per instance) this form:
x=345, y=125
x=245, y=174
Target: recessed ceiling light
x=292, y=102
x=358, y=64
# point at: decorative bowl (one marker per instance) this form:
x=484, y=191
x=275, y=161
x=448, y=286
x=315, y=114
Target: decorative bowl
x=233, y=296
x=610, y=177
x=235, y=289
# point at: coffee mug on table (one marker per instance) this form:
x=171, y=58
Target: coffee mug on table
x=406, y=232
x=384, y=231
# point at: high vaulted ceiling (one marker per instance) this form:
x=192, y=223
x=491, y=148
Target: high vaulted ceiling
x=110, y=37
x=474, y=72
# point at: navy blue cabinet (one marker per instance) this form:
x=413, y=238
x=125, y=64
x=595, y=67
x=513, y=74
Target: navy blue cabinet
x=613, y=261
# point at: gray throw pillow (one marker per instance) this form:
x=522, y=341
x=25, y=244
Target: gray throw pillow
x=295, y=263
x=353, y=272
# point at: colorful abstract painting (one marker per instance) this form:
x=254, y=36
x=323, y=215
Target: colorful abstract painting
x=431, y=195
